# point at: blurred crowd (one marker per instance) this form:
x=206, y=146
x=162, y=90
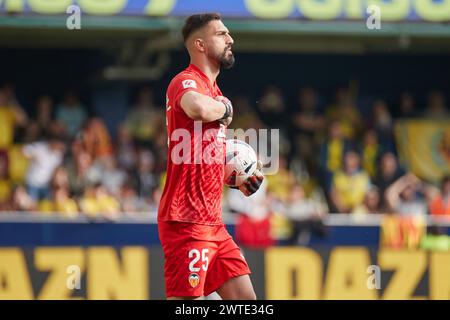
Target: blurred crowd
x=59, y=158
x=337, y=159
x=334, y=158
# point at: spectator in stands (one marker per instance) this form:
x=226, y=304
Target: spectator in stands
x=20, y=114
x=126, y=150
x=94, y=173
x=61, y=200
x=17, y=165
x=388, y=172
x=350, y=185
x=407, y=107
x=79, y=172
x=95, y=139
x=60, y=178
x=43, y=125
x=5, y=184
x=12, y=116
x=370, y=151
x=108, y=205
x=71, y=114
x=44, y=158
x=331, y=154
x=112, y=177
x=271, y=107
x=248, y=118
x=146, y=119
x=88, y=202
x=382, y=123
x=440, y=203
x=408, y=196
x=129, y=200
x=63, y=204
x=145, y=180
x=306, y=215
x=280, y=185
x=97, y=202
x=10, y=93
x=371, y=204
x=436, y=108
x=344, y=111
x=46, y=206
x=307, y=122
x=21, y=200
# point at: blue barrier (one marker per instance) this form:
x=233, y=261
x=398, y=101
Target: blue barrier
x=37, y=230
x=145, y=234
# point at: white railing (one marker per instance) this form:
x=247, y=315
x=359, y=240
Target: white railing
x=150, y=218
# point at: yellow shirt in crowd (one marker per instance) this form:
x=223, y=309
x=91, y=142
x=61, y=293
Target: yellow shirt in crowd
x=18, y=164
x=108, y=204
x=89, y=206
x=335, y=154
x=94, y=206
x=5, y=190
x=280, y=184
x=7, y=121
x=348, y=117
x=369, y=161
x=351, y=188
x=67, y=207
x=46, y=206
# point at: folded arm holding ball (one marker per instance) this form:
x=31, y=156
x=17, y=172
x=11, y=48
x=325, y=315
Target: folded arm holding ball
x=204, y=108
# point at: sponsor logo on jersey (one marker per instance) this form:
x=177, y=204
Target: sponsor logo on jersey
x=189, y=84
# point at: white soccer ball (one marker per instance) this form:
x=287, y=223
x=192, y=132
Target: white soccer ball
x=240, y=162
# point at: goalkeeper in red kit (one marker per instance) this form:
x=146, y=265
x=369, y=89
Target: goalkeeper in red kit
x=200, y=255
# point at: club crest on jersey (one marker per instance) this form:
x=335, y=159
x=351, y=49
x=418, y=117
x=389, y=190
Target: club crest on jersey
x=189, y=84
x=194, y=280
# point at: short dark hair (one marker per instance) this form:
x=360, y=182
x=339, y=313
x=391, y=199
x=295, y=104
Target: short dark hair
x=197, y=21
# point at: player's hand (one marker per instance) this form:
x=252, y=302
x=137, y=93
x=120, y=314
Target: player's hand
x=226, y=122
x=252, y=184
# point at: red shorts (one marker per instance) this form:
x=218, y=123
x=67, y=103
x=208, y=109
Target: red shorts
x=199, y=259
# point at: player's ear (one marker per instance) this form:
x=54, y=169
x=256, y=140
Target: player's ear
x=199, y=44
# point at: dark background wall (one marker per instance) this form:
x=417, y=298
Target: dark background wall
x=37, y=71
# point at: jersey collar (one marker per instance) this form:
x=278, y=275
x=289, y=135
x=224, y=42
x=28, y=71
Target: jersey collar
x=196, y=69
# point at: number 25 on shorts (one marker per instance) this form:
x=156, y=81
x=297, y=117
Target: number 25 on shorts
x=194, y=256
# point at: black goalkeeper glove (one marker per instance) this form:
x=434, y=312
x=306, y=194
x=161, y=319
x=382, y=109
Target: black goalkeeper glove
x=252, y=184
x=228, y=115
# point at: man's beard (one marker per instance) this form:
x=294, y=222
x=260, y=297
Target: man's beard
x=226, y=62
